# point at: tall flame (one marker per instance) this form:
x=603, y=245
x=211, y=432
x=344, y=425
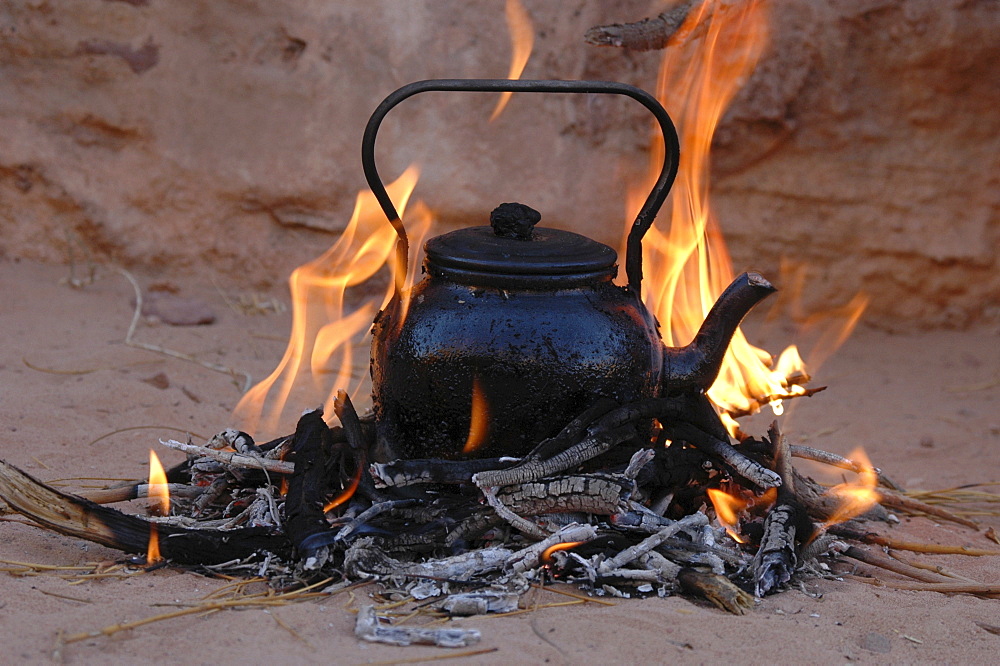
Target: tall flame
x=161, y=505
x=689, y=266
x=522, y=40
x=326, y=331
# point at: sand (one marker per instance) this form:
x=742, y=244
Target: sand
x=923, y=405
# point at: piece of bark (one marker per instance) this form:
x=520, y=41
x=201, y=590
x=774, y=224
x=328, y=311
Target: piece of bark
x=717, y=589
x=645, y=35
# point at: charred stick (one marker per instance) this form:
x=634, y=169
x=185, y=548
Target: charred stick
x=598, y=494
x=232, y=458
x=786, y=525
x=635, y=552
x=818, y=455
x=645, y=35
x=213, y=492
x=399, y=473
x=522, y=525
x=591, y=447
x=743, y=466
x=776, y=559
x=344, y=409
x=666, y=569
x=573, y=432
x=308, y=488
x=368, y=514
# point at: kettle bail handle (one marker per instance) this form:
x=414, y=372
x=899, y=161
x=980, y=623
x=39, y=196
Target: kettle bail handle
x=646, y=215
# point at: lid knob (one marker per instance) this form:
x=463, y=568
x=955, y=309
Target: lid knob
x=514, y=220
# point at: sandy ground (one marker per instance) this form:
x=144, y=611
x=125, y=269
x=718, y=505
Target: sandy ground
x=924, y=406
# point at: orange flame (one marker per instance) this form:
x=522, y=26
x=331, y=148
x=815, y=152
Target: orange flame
x=479, y=424
x=347, y=493
x=161, y=506
x=522, y=40
x=855, y=498
x=727, y=510
x=546, y=557
x=326, y=333
x=688, y=267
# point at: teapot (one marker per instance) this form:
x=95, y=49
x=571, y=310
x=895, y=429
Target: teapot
x=516, y=329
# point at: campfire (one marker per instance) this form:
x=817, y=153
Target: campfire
x=533, y=420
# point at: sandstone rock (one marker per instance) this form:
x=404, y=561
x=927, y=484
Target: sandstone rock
x=223, y=137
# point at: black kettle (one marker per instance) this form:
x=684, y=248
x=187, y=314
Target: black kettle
x=520, y=328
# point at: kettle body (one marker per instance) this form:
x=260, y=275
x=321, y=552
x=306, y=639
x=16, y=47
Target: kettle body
x=481, y=371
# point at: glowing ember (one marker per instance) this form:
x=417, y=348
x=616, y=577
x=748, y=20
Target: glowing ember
x=522, y=39
x=320, y=356
x=479, y=423
x=546, y=557
x=160, y=495
x=855, y=498
x=688, y=267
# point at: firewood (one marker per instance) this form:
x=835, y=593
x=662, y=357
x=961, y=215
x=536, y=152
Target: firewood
x=635, y=552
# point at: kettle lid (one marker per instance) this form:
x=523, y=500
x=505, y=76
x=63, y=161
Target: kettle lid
x=513, y=253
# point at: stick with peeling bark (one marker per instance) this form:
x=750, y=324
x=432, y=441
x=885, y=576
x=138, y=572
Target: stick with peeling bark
x=81, y=518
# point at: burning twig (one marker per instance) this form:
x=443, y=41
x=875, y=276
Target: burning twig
x=818, y=455
x=138, y=491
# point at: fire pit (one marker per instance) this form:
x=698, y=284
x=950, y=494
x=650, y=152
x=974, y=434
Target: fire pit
x=629, y=486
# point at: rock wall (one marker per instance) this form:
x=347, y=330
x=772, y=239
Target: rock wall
x=224, y=136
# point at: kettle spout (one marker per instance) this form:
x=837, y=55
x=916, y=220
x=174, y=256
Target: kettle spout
x=697, y=365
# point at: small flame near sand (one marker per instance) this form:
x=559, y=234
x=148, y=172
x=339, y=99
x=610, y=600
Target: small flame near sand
x=160, y=494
